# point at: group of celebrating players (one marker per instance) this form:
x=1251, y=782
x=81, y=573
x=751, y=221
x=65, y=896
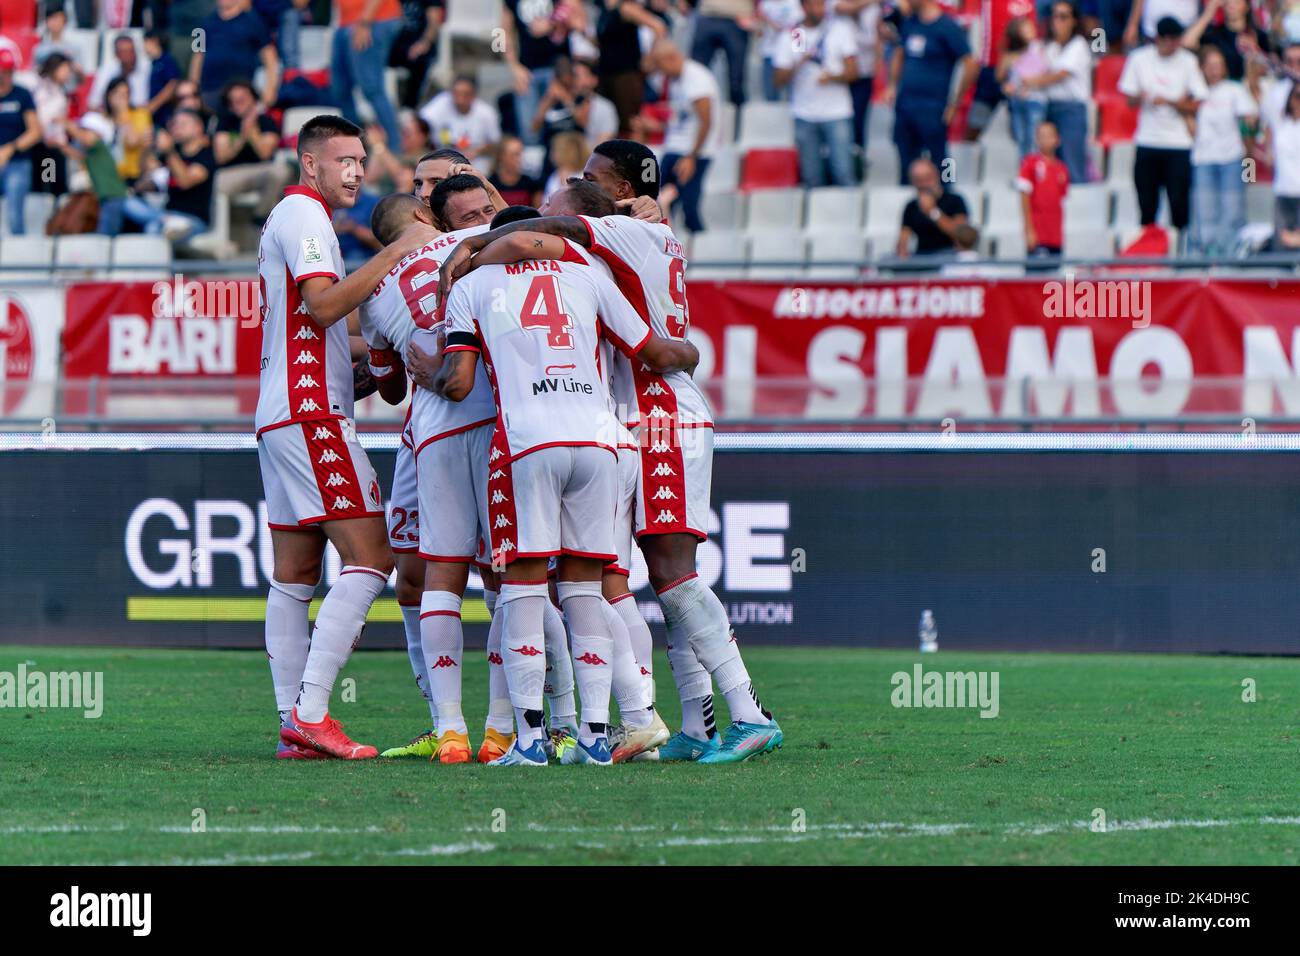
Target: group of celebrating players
x=553, y=426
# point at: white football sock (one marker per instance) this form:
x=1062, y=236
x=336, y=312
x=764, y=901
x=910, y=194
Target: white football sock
x=694, y=688
x=339, y=622
x=694, y=613
x=593, y=653
x=559, y=670
x=415, y=653
x=288, y=637
x=638, y=632
x=444, y=648
x=634, y=703
x=501, y=716
x=523, y=655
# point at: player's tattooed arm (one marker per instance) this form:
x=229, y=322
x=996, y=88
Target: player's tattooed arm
x=363, y=383
x=422, y=366
x=669, y=355
x=518, y=246
x=456, y=377
x=461, y=261
x=644, y=208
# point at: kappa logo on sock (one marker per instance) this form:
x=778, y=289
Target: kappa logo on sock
x=443, y=661
x=589, y=658
x=494, y=657
x=644, y=672
x=527, y=650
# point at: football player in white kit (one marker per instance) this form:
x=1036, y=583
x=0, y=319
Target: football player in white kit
x=674, y=428
x=318, y=483
x=537, y=326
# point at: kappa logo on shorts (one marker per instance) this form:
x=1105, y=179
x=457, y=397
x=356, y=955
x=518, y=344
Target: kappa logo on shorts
x=306, y=358
x=308, y=405
x=506, y=546
x=306, y=381
x=662, y=470
x=502, y=522
x=527, y=650
x=443, y=661
x=664, y=493
x=654, y=388
x=496, y=474
x=666, y=517
x=328, y=456
x=494, y=657
x=660, y=448
x=305, y=333
x=496, y=453
x=498, y=497
x=590, y=658
x=334, y=480
x=657, y=412
x=322, y=434
x=342, y=503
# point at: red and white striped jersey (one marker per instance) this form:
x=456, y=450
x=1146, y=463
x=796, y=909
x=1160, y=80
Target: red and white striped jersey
x=538, y=325
x=404, y=309
x=306, y=370
x=649, y=268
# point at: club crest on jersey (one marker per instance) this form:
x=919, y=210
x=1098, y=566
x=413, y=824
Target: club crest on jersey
x=306, y=358
x=654, y=388
x=306, y=381
x=498, y=497
x=342, y=503
x=590, y=658
x=662, y=470
x=308, y=405
x=305, y=333
x=328, y=456
x=334, y=480
x=666, y=517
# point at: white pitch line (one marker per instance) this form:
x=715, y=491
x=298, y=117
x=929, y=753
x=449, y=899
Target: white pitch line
x=677, y=836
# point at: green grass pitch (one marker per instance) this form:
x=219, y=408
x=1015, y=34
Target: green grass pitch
x=1184, y=770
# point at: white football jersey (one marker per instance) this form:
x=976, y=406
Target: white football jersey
x=404, y=309
x=538, y=325
x=649, y=267
x=306, y=370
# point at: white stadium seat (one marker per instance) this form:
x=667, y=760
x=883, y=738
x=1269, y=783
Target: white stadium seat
x=775, y=255
x=296, y=116
x=1087, y=206
x=765, y=124
x=885, y=216
x=26, y=257
x=715, y=246
x=964, y=162
x=835, y=207
x=89, y=252
x=141, y=257
x=775, y=209
x=1083, y=242
x=835, y=245
x=723, y=209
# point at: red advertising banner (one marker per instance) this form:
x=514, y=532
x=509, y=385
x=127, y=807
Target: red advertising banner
x=1001, y=349
x=126, y=334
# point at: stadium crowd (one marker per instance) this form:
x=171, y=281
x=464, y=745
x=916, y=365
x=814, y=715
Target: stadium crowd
x=1019, y=127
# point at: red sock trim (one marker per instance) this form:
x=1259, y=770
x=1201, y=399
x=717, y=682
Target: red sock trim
x=378, y=574
x=672, y=584
x=425, y=614
x=622, y=597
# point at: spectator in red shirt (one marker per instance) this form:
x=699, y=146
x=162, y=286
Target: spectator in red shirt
x=1043, y=182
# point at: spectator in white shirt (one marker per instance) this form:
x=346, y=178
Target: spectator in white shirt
x=1068, y=85
x=692, y=133
x=458, y=119
x=128, y=64
x=1145, y=15
x=1163, y=81
x=778, y=18
x=1286, y=174
x=1219, y=189
x=865, y=17
x=818, y=61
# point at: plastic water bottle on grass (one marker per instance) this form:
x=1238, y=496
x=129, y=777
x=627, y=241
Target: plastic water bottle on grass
x=928, y=632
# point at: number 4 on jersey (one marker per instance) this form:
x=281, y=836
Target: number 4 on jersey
x=543, y=310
